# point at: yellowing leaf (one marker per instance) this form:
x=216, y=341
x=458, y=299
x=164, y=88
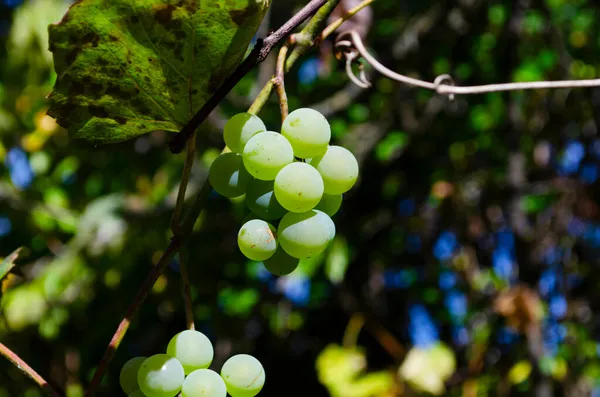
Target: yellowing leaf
x=129, y=67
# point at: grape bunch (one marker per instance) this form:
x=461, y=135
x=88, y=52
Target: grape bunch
x=184, y=369
x=295, y=178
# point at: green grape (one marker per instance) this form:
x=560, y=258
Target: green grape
x=262, y=202
x=330, y=204
x=137, y=393
x=160, y=376
x=204, y=383
x=257, y=240
x=228, y=176
x=281, y=263
x=298, y=187
x=128, y=375
x=338, y=167
x=308, y=131
x=240, y=128
x=266, y=153
x=306, y=234
x=244, y=375
x=192, y=349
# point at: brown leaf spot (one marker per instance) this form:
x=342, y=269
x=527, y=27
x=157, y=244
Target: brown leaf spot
x=163, y=13
x=239, y=16
x=121, y=120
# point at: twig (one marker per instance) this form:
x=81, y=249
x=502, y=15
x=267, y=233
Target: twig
x=303, y=40
x=310, y=34
x=186, y=289
x=155, y=273
x=337, y=23
x=355, y=44
x=279, y=81
x=27, y=370
x=185, y=178
x=256, y=56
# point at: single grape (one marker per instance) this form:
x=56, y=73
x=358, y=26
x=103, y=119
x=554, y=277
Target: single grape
x=204, y=383
x=305, y=234
x=160, y=376
x=281, y=263
x=266, y=153
x=330, y=204
x=257, y=240
x=244, y=375
x=128, y=376
x=192, y=349
x=298, y=187
x=262, y=202
x=228, y=176
x=308, y=131
x=240, y=128
x=137, y=393
x=338, y=167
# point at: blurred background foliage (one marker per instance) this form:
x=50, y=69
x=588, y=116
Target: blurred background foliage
x=465, y=257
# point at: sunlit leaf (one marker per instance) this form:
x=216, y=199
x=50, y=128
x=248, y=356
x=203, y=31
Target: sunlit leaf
x=129, y=67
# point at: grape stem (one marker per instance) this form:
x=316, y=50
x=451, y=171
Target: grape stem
x=27, y=370
x=279, y=82
x=261, y=49
x=302, y=41
x=186, y=289
x=185, y=178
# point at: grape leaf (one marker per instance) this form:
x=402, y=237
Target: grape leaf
x=8, y=263
x=128, y=67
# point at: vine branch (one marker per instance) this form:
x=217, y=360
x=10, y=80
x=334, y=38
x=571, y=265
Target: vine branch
x=443, y=84
x=155, y=273
x=261, y=49
x=27, y=370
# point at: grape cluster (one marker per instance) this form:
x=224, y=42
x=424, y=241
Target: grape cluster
x=184, y=368
x=294, y=177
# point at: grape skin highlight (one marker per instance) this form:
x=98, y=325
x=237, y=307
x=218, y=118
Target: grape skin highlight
x=298, y=187
x=240, y=128
x=257, y=240
x=244, y=375
x=281, y=263
x=306, y=234
x=261, y=200
x=338, y=167
x=128, y=375
x=204, y=383
x=192, y=349
x=308, y=131
x=228, y=176
x=266, y=153
x=161, y=376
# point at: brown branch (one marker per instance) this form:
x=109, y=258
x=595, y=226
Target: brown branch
x=260, y=51
x=155, y=273
x=27, y=370
x=279, y=81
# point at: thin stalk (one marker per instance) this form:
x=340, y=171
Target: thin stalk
x=27, y=370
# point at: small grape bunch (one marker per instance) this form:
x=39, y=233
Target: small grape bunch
x=295, y=178
x=184, y=369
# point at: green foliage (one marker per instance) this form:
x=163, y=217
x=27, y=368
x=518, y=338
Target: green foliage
x=127, y=68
